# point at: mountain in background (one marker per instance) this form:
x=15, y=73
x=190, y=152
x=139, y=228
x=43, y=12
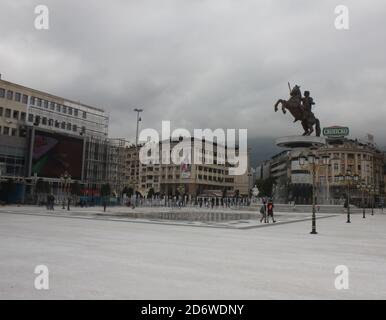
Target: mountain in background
x=262, y=149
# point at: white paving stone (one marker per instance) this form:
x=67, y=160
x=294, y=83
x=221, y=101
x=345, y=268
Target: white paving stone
x=95, y=259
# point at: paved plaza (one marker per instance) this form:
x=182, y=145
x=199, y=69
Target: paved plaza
x=93, y=257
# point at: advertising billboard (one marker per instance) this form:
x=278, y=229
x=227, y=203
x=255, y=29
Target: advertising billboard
x=53, y=154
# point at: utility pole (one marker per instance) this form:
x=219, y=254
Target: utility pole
x=138, y=111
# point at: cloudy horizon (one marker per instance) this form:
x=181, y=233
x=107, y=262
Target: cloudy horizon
x=204, y=64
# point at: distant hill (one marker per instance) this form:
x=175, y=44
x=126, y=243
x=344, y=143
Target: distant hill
x=262, y=149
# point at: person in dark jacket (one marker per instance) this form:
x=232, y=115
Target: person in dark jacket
x=263, y=211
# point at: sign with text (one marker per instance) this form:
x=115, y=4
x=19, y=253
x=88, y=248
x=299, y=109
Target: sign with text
x=336, y=132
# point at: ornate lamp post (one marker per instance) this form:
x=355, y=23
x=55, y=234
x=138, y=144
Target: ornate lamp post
x=372, y=192
x=66, y=180
x=363, y=187
x=348, y=179
x=62, y=189
x=312, y=163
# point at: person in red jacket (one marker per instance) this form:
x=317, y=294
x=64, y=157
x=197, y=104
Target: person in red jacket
x=270, y=210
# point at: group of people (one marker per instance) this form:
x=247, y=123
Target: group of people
x=266, y=211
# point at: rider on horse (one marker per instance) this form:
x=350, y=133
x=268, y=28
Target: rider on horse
x=307, y=103
x=301, y=109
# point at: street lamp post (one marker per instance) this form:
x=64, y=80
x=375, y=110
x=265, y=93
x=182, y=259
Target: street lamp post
x=348, y=179
x=372, y=192
x=363, y=187
x=66, y=180
x=312, y=163
x=138, y=111
x=62, y=189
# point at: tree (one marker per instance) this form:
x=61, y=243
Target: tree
x=105, y=192
x=150, y=193
x=7, y=188
x=40, y=186
x=75, y=188
x=128, y=190
x=46, y=187
x=265, y=186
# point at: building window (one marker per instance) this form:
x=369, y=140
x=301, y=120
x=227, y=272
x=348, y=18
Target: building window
x=84, y=115
x=75, y=112
x=52, y=105
x=22, y=116
x=74, y=128
x=25, y=99
x=64, y=109
x=58, y=107
x=2, y=93
x=6, y=130
x=30, y=117
x=44, y=121
x=15, y=114
x=13, y=132
x=63, y=125
x=7, y=113
x=32, y=100
x=56, y=124
x=9, y=95
x=45, y=104
x=69, y=110
x=1, y=111
x=69, y=126
x=39, y=102
x=51, y=122
x=18, y=96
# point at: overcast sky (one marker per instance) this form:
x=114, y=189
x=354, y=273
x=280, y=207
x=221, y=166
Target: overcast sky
x=204, y=63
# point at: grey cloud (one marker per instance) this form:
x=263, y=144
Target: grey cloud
x=203, y=63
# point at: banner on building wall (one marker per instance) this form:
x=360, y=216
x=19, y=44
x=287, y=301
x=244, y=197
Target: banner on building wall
x=54, y=154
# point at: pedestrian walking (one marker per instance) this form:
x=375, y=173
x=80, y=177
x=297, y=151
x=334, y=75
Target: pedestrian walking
x=48, y=201
x=270, y=210
x=52, y=201
x=263, y=211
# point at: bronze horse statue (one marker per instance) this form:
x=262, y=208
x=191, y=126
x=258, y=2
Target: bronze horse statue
x=299, y=112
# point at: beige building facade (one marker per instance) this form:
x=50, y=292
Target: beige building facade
x=346, y=157
x=208, y=174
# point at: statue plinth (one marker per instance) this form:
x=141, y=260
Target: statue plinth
x=301, y=142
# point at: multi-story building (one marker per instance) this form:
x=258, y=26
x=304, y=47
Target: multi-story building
x=208, y=176
x=263, y=171
x=346, y=156
x=351, y=157
x=44, y=135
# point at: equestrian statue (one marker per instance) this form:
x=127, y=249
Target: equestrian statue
x=300, y=107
